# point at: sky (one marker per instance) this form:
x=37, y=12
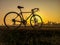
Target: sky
x=49, y=9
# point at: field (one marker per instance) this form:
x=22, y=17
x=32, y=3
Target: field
x=29, y=36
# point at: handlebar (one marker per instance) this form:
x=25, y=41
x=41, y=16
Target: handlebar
x=35, y=9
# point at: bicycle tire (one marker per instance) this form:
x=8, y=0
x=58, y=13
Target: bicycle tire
x=40, y=23
x=15, y=27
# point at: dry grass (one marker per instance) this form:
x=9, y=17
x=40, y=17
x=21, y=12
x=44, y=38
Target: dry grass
x=42, y=36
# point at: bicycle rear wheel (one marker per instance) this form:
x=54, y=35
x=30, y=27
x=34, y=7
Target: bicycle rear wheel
x=36, y=21
x=12, y=20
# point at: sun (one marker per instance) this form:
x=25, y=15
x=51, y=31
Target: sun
x=43, y=17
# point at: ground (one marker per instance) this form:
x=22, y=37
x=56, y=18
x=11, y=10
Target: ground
x=42, y=36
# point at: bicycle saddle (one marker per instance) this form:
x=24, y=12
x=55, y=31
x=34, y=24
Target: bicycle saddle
x=20, y=7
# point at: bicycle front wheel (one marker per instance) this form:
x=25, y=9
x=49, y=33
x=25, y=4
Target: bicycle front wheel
x=12, y=20
x=36, y=21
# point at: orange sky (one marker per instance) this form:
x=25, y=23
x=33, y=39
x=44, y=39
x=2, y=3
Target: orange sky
x=49, y=9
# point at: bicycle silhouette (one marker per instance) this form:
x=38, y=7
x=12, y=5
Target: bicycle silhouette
x=15, y=20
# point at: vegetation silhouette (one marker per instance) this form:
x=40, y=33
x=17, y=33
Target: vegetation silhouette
x=29, y=37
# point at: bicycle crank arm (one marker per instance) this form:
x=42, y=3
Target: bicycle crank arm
x=17, y=21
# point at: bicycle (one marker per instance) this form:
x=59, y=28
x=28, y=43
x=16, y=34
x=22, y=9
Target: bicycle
x=15, y=20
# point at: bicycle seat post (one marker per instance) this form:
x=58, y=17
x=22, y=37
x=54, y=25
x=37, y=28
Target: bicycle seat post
x=20, y=10
x=20, y=7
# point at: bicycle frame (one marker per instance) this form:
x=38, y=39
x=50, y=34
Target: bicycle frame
x=21, y=13
x=27, y=17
